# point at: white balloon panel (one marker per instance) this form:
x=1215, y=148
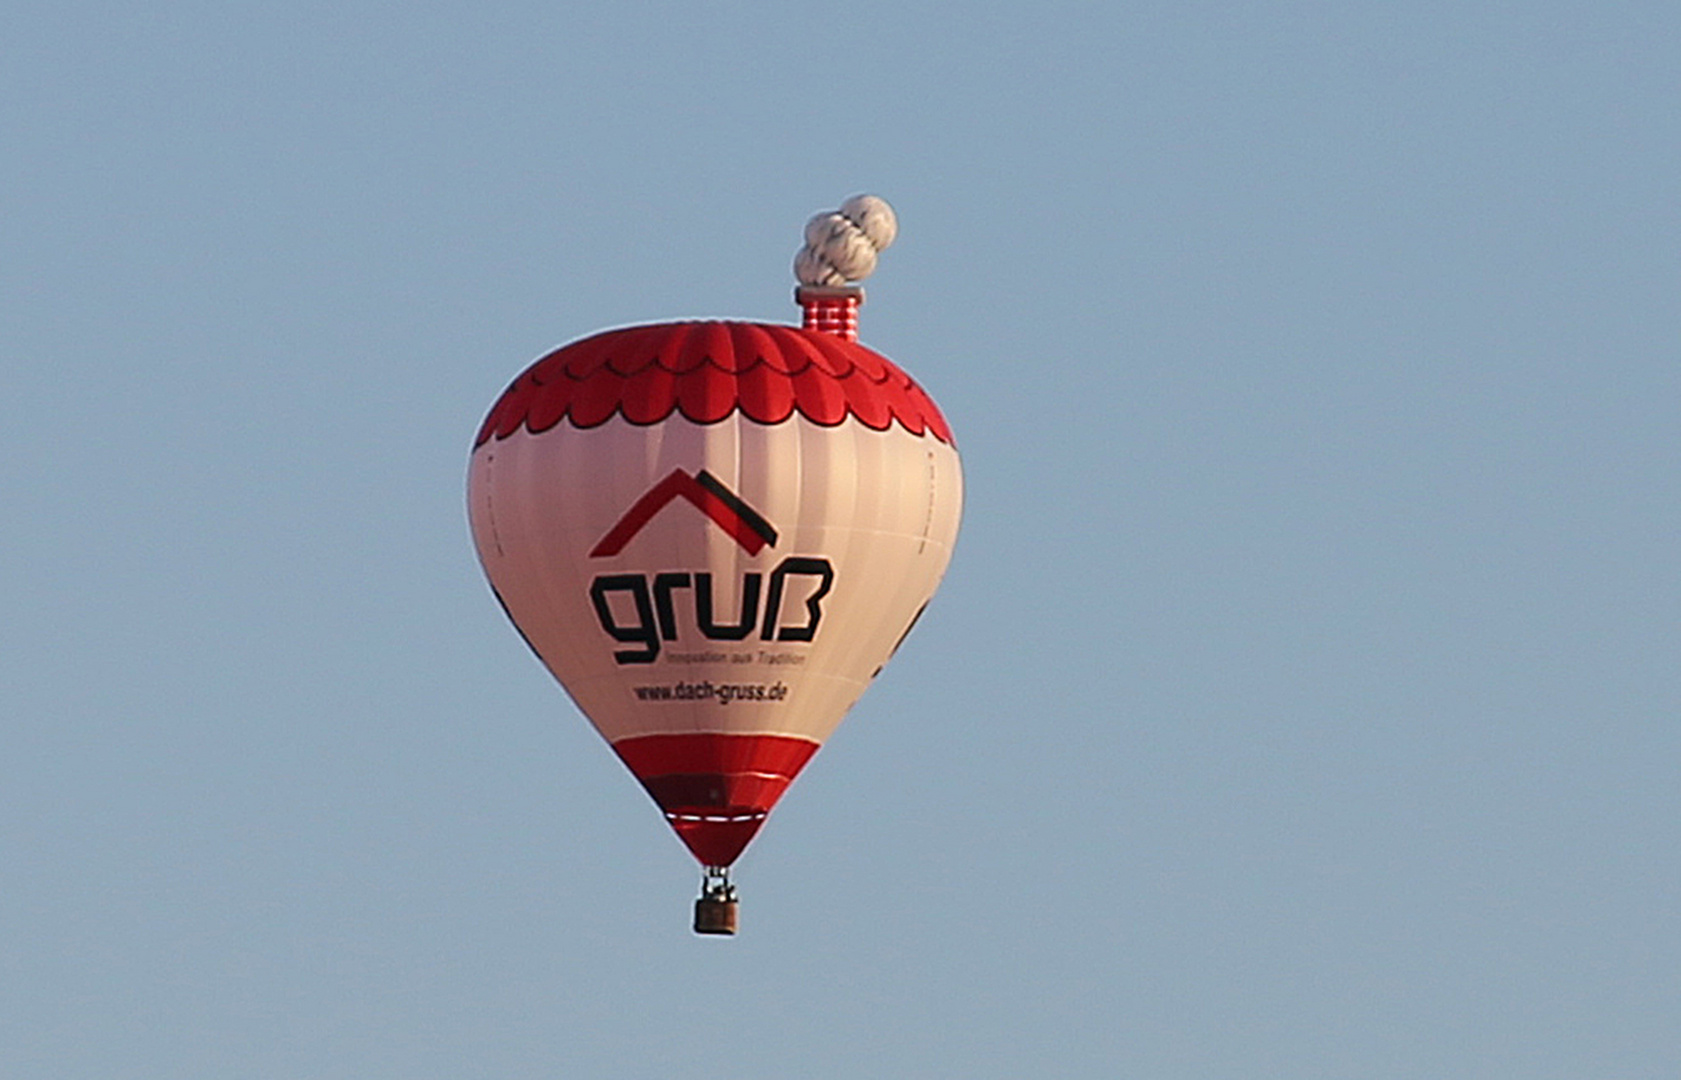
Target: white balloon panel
x=879, y=509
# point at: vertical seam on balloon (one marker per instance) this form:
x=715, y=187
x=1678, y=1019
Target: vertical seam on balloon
x=928, y=517
x=490, y=502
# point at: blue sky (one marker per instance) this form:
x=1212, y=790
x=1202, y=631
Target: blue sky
x=1301, y=700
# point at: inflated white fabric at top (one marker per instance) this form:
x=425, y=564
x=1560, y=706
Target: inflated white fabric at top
x=841, y=245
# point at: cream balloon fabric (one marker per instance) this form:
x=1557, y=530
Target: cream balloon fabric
x=866, y=518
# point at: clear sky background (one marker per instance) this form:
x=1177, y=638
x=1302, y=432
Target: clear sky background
x=1301, y=701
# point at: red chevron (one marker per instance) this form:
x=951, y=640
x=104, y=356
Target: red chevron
x=679, y=484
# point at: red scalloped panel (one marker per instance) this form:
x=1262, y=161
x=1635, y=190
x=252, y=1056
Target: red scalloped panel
x=708, y=370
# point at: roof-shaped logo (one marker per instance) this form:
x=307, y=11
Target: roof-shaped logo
x=707, y=494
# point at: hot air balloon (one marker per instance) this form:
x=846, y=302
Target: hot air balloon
x=714, y=534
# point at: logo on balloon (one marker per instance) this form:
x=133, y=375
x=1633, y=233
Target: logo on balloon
x=709, y=496
x=647, y=614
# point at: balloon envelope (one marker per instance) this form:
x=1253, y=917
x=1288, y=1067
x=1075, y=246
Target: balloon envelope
x=714, y=535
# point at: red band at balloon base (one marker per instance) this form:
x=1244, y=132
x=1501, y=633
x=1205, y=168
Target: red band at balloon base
x=715, y=789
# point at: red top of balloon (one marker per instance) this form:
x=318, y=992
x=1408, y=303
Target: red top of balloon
x=708, y=370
